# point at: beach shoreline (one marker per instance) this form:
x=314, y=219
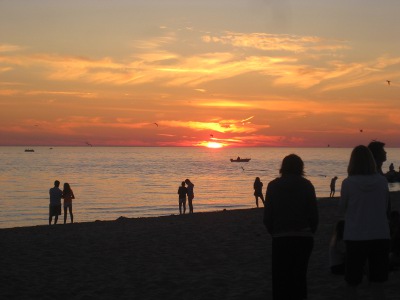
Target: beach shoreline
x=210, y=255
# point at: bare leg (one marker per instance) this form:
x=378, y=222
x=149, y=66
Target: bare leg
x=256, y=201
x=55, y=219
x=262, y=199
x=190, y=204
x=71, y=214
x=65, y=215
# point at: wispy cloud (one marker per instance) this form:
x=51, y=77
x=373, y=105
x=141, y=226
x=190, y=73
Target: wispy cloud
x=8, y=92
x=211, y=126
x=285, y=60
x=63, y=93
x=276, y=42
x=10, y=48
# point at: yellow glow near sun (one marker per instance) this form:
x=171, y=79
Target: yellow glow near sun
x=214, y=145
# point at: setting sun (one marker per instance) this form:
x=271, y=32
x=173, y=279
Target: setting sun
x=214, y=145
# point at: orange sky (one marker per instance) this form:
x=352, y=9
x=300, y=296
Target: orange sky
x=249, y=73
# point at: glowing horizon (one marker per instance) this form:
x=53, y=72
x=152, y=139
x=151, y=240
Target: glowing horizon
x=157, y=74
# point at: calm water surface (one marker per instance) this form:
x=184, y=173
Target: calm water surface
x=110, y=182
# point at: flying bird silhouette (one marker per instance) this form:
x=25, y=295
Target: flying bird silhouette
x=388, y=81
x=155, y=124
x=242, y=168
x=361, y=130
x=89, y=144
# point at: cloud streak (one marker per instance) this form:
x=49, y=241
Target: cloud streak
x=276, y=42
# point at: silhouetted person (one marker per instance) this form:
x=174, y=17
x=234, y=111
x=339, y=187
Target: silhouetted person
x=291, y=217
x=365, y=202
x=190, y=194
x=391, y=176
x=258, y=185
x=182, y=191
x=337, y=250
x=55, y=202
x=333, y=186
x=68, y=195
x=379, y=154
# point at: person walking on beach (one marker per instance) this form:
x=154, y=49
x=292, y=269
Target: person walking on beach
x=55, y=202
x=364, y=202
x=258, y=185
x=190, y=194
x=333, y=187
x=68, y=195
x=291, y=217
x=182, y=191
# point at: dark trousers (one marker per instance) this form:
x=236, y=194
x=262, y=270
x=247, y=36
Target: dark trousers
x=376, y=252
x=290, y=257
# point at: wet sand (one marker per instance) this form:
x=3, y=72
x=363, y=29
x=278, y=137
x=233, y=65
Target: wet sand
x=217, y=255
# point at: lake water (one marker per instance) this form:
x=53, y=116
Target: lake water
x=109, y=182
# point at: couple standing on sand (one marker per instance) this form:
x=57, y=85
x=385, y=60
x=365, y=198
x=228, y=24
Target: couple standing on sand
x=183, y=191
x=55, y=202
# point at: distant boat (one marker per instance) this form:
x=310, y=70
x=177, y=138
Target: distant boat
x=240, y=159
x=29, y=150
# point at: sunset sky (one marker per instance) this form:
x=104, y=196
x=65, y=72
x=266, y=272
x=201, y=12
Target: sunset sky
x=300, y=73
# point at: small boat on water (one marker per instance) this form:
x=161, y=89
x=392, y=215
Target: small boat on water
x=29, y=150
x=240, y=159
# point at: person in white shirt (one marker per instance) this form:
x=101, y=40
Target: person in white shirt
x=365, y=203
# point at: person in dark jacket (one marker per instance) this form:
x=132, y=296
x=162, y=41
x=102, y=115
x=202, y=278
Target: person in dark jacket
x=182, y=192
x=291, y=217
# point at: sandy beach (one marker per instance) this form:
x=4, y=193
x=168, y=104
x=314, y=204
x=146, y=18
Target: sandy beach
x=218, y=255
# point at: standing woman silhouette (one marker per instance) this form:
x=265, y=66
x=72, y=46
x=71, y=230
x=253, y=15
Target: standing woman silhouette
x=258, y=185
x=68, y=195
x=190, y=194
x=291, y=217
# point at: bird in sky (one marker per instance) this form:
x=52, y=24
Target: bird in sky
x=388, y=81
x=242, y=168
x=361, y=130
x=211, y=135
x=89, y=144
x=155, y=124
